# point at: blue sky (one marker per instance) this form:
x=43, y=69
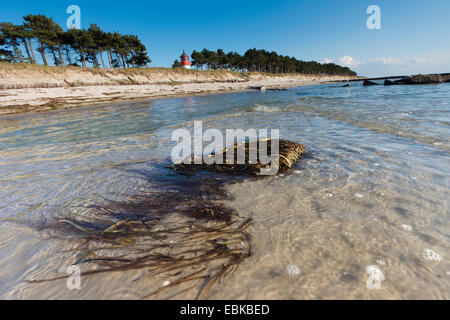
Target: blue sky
x=415, y=35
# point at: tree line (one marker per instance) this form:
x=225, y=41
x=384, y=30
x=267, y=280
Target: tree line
x=262, y=61
x=73, y=47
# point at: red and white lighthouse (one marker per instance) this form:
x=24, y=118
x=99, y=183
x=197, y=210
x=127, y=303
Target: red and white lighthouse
x=185, y=63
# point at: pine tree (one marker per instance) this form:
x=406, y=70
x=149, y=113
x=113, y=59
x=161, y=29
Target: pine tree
x=176, y=64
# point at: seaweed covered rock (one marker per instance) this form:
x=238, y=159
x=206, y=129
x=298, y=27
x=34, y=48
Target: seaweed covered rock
x=426, y=79
x=251, y=163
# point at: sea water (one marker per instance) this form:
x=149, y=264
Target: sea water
x=364, y=216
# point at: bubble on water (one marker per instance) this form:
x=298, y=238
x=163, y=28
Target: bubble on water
x=264, y=108
x=297, y=171
x=375, y=273
x=166, y=283
x=293, y=270
x=377, y=164
x=430, y=255
x=381, y=262
x=281, y=175
x=359, y=195
x=329, y=195
x=437, y=144
x=406, y=227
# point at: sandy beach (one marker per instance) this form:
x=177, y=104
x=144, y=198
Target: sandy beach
x=37, y=89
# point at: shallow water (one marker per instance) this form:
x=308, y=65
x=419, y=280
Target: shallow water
x=373, y=191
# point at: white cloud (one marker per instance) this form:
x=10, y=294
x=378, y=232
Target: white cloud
x=327, y=60
x=349, y=61
x=383, y=60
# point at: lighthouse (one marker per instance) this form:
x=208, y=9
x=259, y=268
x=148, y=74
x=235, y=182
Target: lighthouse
x=185, y=63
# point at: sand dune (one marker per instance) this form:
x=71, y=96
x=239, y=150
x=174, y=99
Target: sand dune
x=26, y=88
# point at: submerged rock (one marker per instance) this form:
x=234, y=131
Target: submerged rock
x=289, y=153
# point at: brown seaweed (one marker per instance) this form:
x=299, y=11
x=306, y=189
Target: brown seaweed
x=179, y=230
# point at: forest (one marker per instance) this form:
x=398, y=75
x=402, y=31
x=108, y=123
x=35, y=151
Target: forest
x=41, y=35
x=73, y=47
x=262, y=61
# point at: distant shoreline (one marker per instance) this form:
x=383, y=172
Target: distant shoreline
x=25, y=88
